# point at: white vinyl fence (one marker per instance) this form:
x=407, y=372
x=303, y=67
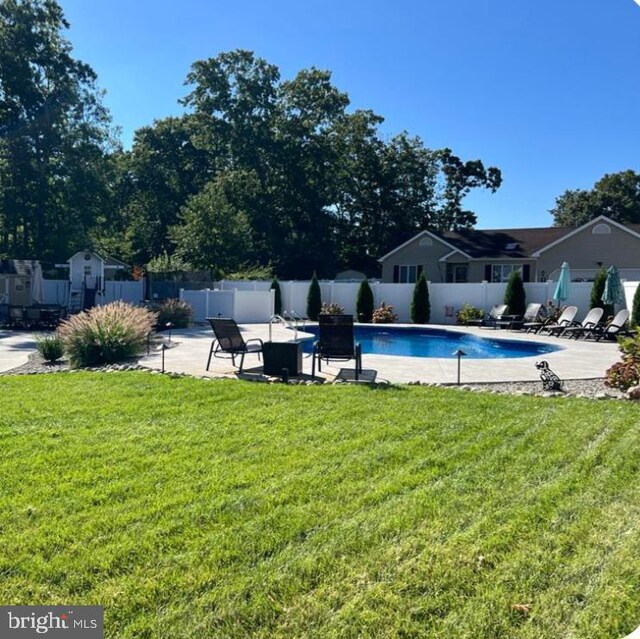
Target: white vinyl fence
x=57, y=292
x=446, y=299
x=245, y=306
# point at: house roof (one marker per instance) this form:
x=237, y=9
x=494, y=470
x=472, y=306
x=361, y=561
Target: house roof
x=16, y=267
x=109, y=261
x=479, y=243
x=510, y=243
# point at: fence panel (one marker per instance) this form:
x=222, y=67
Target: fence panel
x=253, y=306
x=55, y=292
x=131, y=292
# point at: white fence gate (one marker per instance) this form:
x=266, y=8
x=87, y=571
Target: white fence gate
x=57, y=292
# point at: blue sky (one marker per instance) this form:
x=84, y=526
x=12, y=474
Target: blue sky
x=546, y=90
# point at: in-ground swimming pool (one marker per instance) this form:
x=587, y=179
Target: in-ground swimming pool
x=436, y=342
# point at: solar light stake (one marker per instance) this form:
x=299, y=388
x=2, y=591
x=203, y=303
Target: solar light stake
x=164, y=348
x=459, y=354
x=169, y=325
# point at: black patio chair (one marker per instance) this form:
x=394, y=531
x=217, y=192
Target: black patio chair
x=4, y=315
x=16, y=317
x=336, y=342
x=229, y=340
x=33, y=317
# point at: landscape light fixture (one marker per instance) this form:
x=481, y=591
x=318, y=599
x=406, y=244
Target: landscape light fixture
x=459, y=354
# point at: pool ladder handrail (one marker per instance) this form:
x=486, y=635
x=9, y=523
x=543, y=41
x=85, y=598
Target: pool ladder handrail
x=275, y=318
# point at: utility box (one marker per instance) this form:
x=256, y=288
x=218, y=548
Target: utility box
x=279, y=355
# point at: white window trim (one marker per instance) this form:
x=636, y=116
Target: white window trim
x=502, y=266
x=407, y=267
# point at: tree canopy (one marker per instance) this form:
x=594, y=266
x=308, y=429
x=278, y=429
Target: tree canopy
x=616, y=195
x=259, y=170
x=54, y=134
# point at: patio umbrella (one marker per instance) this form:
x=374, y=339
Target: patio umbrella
x=562, y=288
x=36, y=282
x=612, y=293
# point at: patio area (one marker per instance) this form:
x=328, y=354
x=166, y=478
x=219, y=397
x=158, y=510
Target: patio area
x=579, y=359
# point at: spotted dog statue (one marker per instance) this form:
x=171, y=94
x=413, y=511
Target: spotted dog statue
x=550, y=381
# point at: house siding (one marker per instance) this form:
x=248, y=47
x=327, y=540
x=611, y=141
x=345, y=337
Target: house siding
x=426, y=256
x=583, y=250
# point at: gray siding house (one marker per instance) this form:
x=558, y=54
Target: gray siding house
x=472, y=255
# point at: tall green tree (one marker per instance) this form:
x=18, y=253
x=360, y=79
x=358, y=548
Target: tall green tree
x=420, y=304
x=597, y=290
x=515, y=296
x=54, y=135
x=215, y=234
x=364, y=302
x=314, y=299
x=157, y=177
x=616, y=195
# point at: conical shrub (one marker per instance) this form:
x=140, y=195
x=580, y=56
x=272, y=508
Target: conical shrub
x=514, y=296
x=420, y=304
x=277, y=302
x=314, y=299
x=364, y=302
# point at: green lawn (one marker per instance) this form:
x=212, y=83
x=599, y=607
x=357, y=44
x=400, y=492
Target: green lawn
x=225, y=509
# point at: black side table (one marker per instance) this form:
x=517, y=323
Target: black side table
x=279, y=355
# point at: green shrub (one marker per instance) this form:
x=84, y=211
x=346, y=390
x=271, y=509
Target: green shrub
x=596, y=293
x=175, y=311
x=277, y=301
x=106, y=334
x=50, y=347
x=514, y=296
x=420, y=304
x=626, y=373
x=469, y=313
x=314, y=299
x=635, y=311
x=384, y=315
x=364, y=302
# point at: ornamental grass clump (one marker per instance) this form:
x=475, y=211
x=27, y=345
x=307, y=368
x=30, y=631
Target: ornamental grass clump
x=50, y=347
x=177, y=312
x=106, y=334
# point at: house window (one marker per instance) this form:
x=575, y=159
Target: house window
x=601, y=229
x=458, y=273
x=406, y=273
x=501, y=272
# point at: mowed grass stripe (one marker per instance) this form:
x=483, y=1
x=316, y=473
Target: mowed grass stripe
x=191, y=508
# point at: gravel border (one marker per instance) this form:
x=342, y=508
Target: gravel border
x=586, y=388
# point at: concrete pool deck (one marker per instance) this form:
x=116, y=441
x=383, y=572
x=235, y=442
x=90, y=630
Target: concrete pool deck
x=15, y=348
x=578, y=359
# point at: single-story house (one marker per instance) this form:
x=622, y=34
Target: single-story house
x=474, y=255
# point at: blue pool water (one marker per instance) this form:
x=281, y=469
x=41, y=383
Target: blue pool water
x=433, y=342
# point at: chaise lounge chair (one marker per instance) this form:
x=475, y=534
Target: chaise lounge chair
x=228, y=339
x=588, y=325
x=565, y=320
x=517, y=322
x=490, y=320
x=336, y=342
x=615, y=328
